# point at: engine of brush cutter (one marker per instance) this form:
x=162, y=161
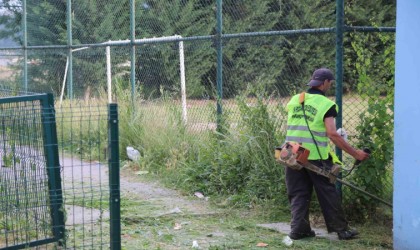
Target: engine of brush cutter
x=294, y=156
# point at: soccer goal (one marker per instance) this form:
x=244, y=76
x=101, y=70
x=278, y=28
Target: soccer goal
x=175, y=38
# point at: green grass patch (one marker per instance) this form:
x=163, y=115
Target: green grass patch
x=231, y=228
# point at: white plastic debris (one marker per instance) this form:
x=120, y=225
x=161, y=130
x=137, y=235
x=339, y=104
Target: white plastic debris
x=133, y=154
x=287, y=241
x=177, y=226
x=176, y=210
x=195, y=245
x=142, y=172
x=199, y=195
x=343, y=133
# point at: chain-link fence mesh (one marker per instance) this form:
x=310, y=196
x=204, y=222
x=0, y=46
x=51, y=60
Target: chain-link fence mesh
x=269, y=47
x=86, y=190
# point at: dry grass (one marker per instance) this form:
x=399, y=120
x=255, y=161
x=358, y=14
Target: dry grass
x=6, y=72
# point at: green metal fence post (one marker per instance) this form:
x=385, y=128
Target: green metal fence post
x=219, y=43
x=133, y=49
x=53, y=167
x=339, y=72
x=114, y=177
x=25, y=47
x=70, y=53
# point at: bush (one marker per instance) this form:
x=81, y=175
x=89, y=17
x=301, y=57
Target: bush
x=375, y=131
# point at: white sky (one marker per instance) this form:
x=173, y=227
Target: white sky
x=11, y=2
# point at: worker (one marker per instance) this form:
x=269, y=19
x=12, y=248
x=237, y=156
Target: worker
x=313, y=129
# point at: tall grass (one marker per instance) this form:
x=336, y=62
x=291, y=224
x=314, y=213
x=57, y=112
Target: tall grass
x=236, y=159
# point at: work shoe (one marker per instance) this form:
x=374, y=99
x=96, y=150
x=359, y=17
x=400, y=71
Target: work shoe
x=298, y=236
x=347, y=234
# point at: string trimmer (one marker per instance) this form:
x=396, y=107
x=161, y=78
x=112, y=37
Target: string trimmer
x=294, y=156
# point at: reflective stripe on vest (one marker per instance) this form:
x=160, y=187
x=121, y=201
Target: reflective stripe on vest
x=305, y=128
x=316, y=106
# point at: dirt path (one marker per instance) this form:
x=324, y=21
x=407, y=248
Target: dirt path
x=82, y=176
x=165, y=201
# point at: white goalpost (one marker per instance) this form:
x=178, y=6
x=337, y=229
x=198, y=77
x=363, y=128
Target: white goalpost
x=144, y=40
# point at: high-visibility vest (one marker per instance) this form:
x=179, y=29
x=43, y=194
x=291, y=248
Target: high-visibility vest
x=316, y=106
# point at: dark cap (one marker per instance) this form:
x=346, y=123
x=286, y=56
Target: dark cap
x=319, y=76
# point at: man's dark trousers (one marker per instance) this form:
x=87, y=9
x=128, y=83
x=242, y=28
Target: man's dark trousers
x=300, y=184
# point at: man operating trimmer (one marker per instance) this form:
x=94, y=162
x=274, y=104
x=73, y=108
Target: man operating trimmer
x=311, y=124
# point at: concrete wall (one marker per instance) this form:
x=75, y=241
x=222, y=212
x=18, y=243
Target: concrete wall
x=407, y=127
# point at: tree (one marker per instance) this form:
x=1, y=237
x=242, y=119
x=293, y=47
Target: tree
x=367, y=13
x=157, y=65
x=93, y=22
x=45, y=67
x=280, y=63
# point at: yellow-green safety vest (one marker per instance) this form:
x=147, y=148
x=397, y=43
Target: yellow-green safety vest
x=316, y=106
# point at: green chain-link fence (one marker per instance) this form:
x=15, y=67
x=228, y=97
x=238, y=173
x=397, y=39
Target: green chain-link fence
x=193, y=59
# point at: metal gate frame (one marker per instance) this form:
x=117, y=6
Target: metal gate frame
x=50, y=147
